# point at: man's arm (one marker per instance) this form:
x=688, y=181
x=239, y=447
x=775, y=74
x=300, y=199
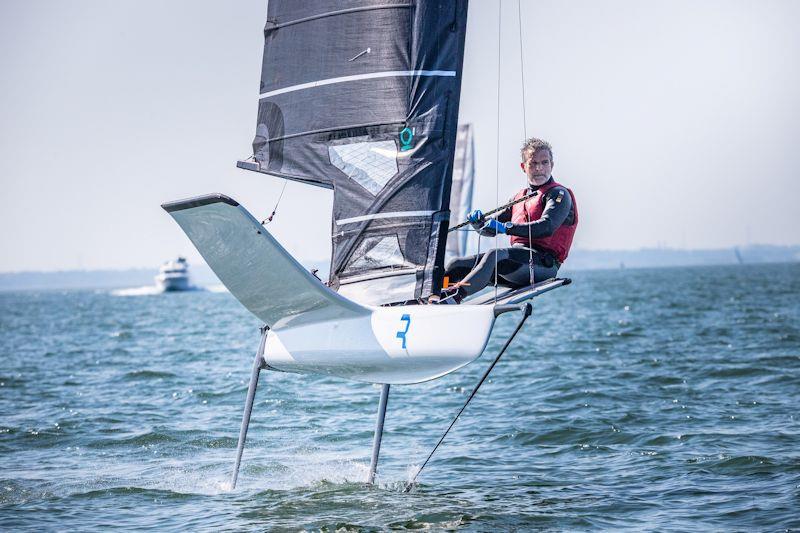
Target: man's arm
x=504, y=215
x=558, y=205
x=479, y=222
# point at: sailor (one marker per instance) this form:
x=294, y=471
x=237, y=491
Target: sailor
x=541, y=230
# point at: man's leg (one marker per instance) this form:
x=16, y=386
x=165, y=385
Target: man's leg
x=458, y=267
x=516, y=271
x=483, y=273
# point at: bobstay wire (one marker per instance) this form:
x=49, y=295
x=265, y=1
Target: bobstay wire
x=527, y=309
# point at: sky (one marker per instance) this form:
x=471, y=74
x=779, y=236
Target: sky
x=674, y=122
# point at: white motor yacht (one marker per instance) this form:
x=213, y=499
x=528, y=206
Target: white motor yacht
x=174, y=276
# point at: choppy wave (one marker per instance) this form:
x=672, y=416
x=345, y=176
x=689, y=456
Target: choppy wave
x=148, y=374
x=657, y=399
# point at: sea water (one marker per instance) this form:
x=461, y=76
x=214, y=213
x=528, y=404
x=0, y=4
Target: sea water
x=642, y=399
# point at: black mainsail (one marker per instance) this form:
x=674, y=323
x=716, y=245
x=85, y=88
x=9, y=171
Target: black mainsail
x=361, y=96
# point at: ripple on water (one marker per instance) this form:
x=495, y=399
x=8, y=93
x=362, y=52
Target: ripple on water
x=135, y=375
x=138, y=440
x=620, y=405
x=745, y=465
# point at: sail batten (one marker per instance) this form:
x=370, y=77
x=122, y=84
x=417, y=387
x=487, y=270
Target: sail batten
x=337, y=128
x=356, y=77
x=361, y=96
x=400, y=214
x=272, y=25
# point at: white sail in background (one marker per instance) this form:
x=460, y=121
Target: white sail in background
x=461, y=190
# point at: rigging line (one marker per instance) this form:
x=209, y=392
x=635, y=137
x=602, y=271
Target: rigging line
x=524, y=132
x=522, y=70
x=527, y=309
x=496, y=210
x=530, y=245
x=497, y=144
x=270, y=217
x=477, y=255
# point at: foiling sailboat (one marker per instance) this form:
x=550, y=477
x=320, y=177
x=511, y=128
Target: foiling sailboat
x=360, y=97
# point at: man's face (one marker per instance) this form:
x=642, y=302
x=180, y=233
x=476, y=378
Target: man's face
x=538, y=166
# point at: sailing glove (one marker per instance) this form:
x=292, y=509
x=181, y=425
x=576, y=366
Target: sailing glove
x=493, y=227
x=475, y=216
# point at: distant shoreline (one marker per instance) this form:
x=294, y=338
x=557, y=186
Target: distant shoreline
x=668, y=257
x=578, y=260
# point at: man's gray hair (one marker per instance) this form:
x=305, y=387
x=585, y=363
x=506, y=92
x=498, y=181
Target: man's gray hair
x=533, y=145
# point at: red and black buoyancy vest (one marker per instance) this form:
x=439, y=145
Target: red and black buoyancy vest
x=531, y=210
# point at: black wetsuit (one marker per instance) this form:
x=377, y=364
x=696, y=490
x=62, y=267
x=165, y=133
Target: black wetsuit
x=517, y=264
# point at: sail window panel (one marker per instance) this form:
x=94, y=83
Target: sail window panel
x=349, y=44
x=379, y=252
x=386, y=248
x=398, y=287
x=370, y=164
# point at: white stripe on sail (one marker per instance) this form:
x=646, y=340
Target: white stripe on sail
x=397, y=214
x=355, y=77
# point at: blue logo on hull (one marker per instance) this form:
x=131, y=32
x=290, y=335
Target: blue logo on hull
x=402, y=333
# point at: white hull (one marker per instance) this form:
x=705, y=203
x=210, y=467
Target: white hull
x=316, y=330
x=168, y=284
x=399, y=344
